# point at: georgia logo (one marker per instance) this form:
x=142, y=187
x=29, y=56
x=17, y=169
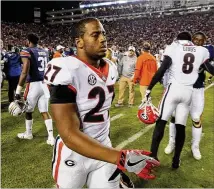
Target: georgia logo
x=70, y=163
x=144, y=116
x=92, y=80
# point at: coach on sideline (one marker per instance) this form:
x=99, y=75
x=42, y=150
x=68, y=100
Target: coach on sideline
x=145, y=68
x=126, y=69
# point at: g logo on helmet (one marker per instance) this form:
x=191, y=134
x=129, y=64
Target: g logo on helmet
x=144, y=116
x=148, y=113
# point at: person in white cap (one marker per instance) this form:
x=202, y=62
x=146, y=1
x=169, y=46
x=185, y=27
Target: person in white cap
x=126, y=68
x=59, y=51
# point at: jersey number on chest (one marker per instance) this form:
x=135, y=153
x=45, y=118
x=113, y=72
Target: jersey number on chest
x=91, y=116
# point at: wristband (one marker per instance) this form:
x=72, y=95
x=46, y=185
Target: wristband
x=18, y=89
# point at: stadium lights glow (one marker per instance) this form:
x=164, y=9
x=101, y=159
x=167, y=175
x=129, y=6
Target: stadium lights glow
x=106, y=3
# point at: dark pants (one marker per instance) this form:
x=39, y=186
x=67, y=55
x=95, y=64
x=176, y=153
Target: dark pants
x=13, y=82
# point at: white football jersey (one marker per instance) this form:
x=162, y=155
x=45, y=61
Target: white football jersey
x=186, y=60
x=94, y=91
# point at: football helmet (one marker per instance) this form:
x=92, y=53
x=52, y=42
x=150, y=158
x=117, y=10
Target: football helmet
x=17, y=107
x=147, y=112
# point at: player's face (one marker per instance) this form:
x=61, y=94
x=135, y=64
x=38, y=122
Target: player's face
x=94, y=40
x=198, y=40
x=131, y=53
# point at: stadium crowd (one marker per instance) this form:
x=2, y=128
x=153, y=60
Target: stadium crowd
x=123, y=33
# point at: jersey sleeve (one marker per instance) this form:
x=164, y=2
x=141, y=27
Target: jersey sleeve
x=25, y=53
x=61, y=81
x=168, y=51
x=206, y=55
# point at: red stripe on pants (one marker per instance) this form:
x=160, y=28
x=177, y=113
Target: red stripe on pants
x=58, y=161
x=26, y=91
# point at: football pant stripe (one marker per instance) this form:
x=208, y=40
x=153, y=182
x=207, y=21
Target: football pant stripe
x=163, y=101
x=54, y=153
x=58, y=160
x=26, y=91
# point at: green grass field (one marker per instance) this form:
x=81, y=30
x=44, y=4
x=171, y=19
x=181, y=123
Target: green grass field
x=27, y=164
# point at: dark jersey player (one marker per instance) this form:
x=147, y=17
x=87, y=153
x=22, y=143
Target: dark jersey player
x=34, y=61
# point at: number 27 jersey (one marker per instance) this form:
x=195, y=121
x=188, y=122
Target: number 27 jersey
x=186, y=60
x=92, y=91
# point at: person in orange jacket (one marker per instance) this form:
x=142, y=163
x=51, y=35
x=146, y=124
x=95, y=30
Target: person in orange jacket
x=59, y=51
x=145, y=69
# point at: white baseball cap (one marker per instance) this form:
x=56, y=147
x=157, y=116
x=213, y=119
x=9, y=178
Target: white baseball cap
x=131, y=48
x=59, y=47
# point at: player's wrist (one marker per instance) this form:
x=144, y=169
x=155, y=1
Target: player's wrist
x=19, y=89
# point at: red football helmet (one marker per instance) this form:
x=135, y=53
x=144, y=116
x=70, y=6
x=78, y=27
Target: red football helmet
x=147, y=112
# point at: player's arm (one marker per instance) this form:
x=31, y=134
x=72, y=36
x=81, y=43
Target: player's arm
x=23, y=76
x=64, y=111
x=209, y=67
x=167, y=61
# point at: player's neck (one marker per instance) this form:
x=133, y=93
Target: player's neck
x=94, y=63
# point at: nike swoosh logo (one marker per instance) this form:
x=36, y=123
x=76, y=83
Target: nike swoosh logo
x=135, y=163
x=112, y=78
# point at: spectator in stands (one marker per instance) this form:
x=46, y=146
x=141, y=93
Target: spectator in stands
x=59, y=51
x=126, y=69
x=12, y=70
x=145, y=69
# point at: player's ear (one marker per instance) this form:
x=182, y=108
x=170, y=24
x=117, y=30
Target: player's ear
x=79, y=42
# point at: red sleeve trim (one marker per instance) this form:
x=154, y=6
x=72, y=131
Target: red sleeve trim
x=72, y=88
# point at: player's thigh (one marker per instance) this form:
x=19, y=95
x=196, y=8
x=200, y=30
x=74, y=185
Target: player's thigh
x=197, y=104
x=31, y=96
x=168, y=103
x=100, y=178
x=43, y=104
x=68, y=169
x=181, y=114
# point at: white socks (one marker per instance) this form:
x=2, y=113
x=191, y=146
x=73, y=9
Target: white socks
x=196, y=135
x=29, y=124
x=172, y=133
x=49, y=126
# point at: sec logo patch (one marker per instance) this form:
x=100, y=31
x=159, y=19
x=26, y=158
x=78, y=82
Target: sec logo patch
x=92, y=80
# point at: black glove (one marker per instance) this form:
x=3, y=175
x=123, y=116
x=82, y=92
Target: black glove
x=17, y=97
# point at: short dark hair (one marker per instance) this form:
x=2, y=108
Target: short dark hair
x=79, y=27
x=200, y=33
x=184, y=36
x=33, y=38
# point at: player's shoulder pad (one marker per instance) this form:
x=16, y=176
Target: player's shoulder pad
x=66, y=67
x=110, y=63
x=70, y=63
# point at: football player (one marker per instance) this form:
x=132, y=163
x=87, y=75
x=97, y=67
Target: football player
x=197, y=106
x=34, y=60
x=81, y=90
x=183, y=59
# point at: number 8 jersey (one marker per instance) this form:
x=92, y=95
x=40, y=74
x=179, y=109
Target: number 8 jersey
x=186, y=60
x=75, y=81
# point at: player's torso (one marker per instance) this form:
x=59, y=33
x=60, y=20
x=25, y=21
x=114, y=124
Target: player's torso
x=38, y=61
x=94, y=92
x=94, y=97
x=185, y=64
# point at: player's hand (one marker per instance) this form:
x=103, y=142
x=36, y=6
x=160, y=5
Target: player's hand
x=138, y=162
x=209, y=81
x=17, y=97
x=147, y=95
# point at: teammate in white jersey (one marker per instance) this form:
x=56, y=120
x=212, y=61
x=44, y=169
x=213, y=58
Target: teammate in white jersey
x=183, y=60
x=196, y=109
x=82, y=90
